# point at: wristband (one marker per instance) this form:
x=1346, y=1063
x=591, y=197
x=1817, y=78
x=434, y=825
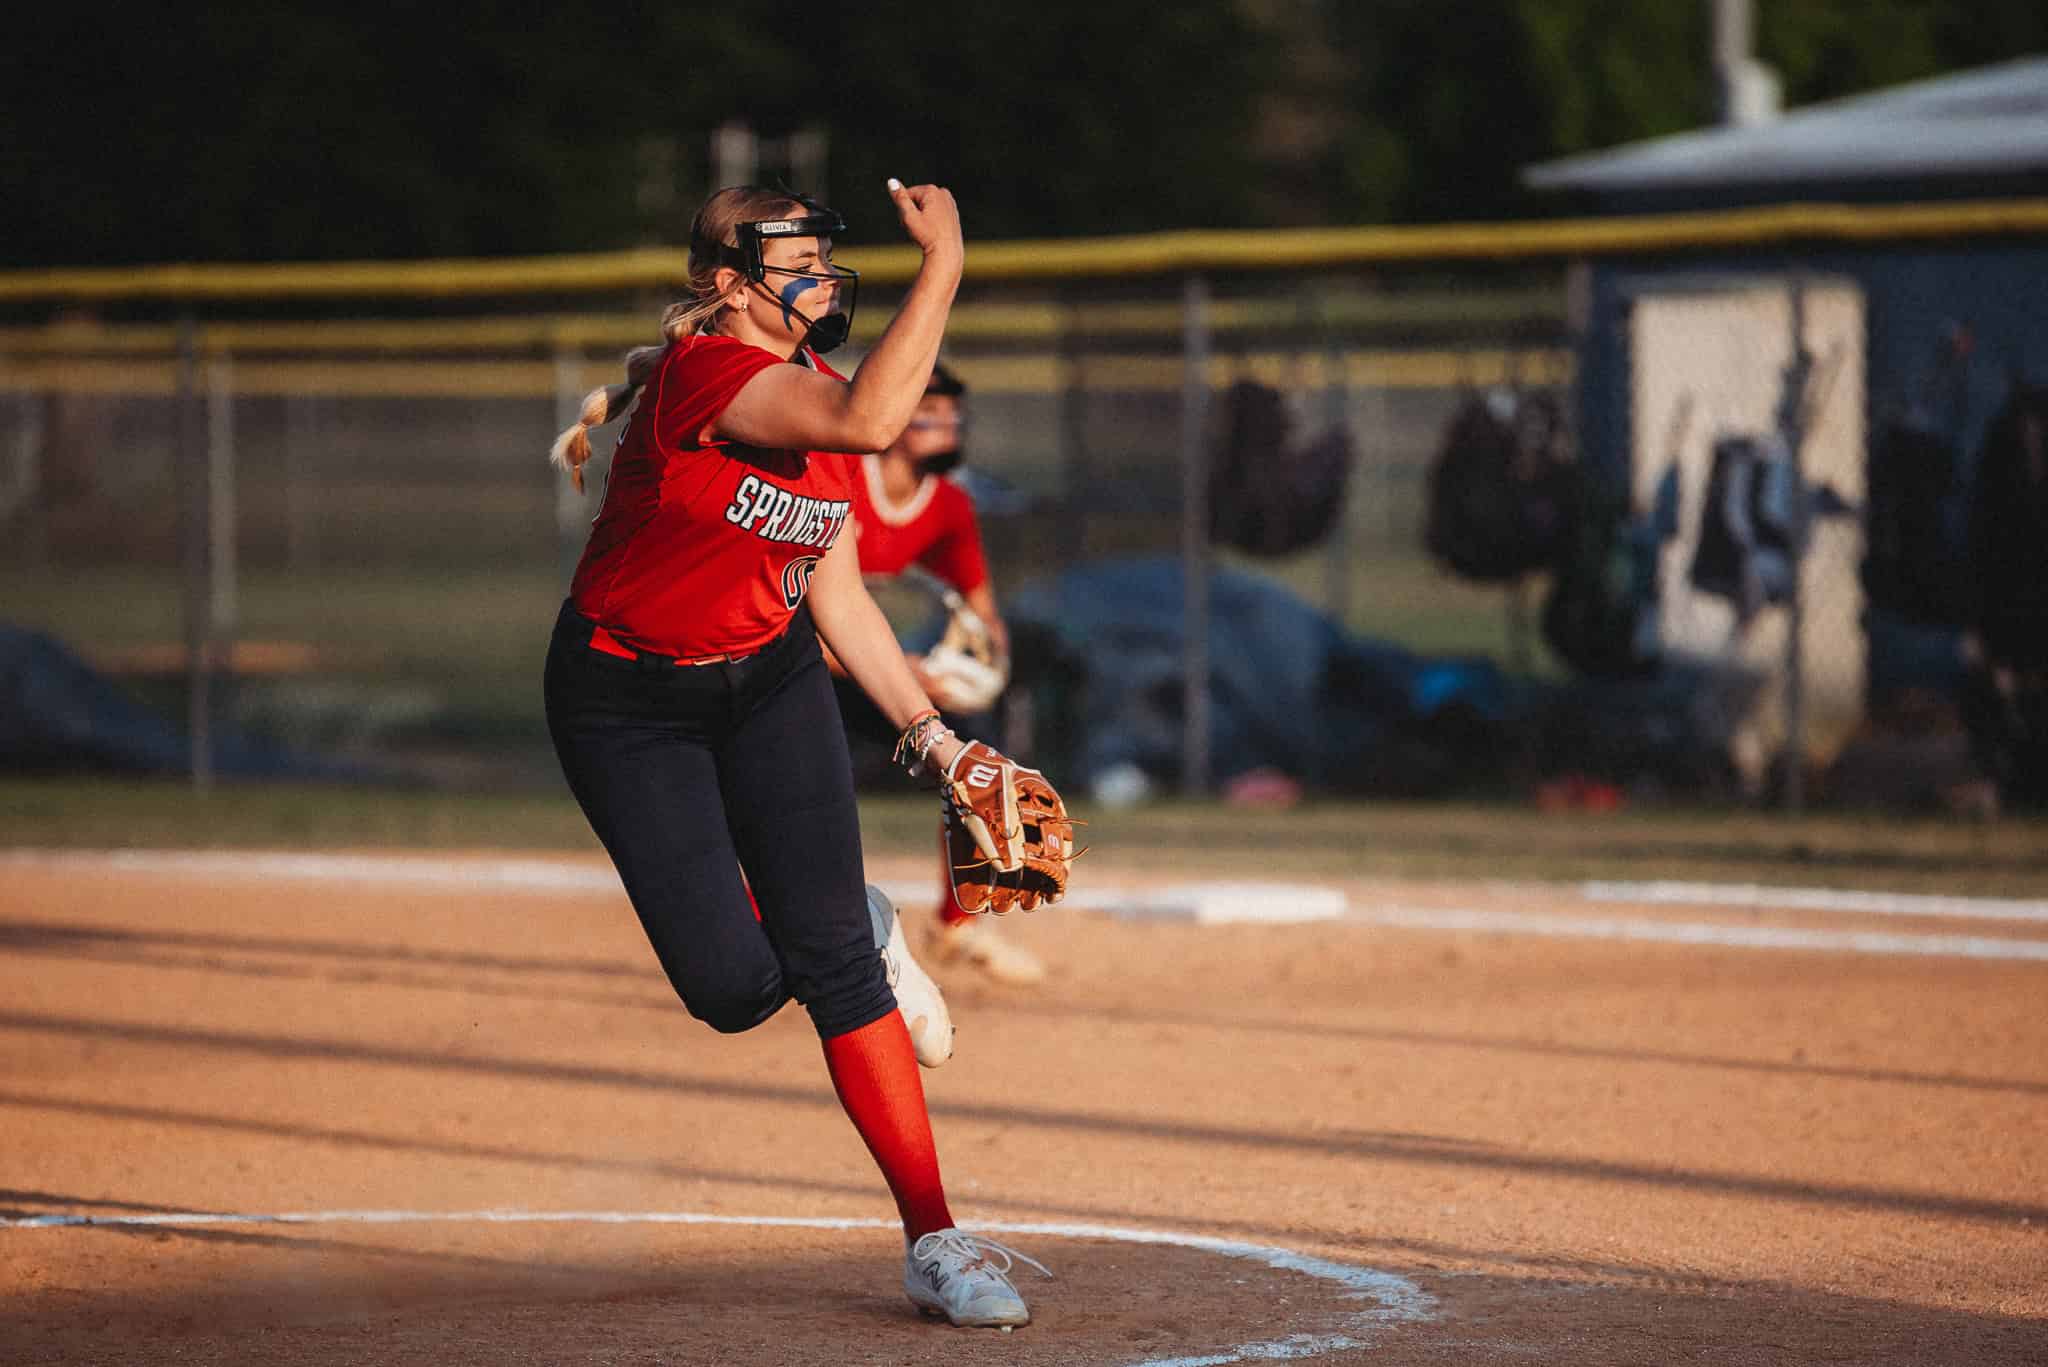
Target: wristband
x=914, y=745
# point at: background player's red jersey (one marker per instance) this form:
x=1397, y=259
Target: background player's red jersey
x=705, y=546
x=934, y=528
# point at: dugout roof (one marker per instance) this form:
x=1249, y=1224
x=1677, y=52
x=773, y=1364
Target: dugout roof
x=1976, y=130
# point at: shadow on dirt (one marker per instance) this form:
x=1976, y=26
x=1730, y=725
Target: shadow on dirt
x=757, y=1298
x=1363, y=1146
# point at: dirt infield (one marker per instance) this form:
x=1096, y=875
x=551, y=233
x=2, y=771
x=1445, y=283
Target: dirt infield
x=1508, y=1137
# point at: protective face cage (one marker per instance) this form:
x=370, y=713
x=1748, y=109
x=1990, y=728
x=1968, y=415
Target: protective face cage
x=823, y=333
x=946, y=461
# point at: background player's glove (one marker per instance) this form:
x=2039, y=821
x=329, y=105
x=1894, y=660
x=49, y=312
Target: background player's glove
x=1009, y=839
x=967, y=669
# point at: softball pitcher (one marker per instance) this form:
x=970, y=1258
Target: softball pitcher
x=692, y=711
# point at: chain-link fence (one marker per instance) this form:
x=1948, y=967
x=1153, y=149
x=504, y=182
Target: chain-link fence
x=324, y=517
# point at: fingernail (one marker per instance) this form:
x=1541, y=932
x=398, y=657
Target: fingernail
x=894, y=185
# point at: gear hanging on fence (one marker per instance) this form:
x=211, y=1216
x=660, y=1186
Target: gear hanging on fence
x=1270, y=495
x=1915, y=551
x=1502, y=488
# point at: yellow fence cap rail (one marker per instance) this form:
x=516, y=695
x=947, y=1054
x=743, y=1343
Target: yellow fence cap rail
x=995, y=320
x=640, y=268
x=1066, y=258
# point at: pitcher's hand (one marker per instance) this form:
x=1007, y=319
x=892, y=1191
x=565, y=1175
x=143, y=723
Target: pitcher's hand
x=930, y=217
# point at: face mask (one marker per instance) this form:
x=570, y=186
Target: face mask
x=821, y=334
x=827, y=330
x=942, y=462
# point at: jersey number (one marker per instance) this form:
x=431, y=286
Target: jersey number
x=796, y=580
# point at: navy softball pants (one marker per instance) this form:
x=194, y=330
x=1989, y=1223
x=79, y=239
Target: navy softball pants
x=691, y=773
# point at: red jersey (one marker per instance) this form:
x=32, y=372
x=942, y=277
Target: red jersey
x=705, y=546
x=934, y=528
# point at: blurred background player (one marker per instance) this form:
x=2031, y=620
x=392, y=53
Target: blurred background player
x=909, y=520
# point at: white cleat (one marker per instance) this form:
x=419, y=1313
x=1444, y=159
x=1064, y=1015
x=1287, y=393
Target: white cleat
x=980, y=946
x=917, y=996
x=953, y=1273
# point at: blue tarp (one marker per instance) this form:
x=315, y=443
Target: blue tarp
x=59, y=715
x=1289, y=689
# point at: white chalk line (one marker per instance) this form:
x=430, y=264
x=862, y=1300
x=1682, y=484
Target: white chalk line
x=484, y=874
x=525, y=874
x=1204, y=902
x=1709, y=933
x=1393, y=1299
x=1667, y=893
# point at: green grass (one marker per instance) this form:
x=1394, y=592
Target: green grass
x=1174, y=839
x=411, y=657
x=163, y=813
x=446, y=652
x=447, y=623
x=434, y=620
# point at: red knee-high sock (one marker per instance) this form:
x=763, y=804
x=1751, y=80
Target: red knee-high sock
x=874, y=1070
x=949, y=908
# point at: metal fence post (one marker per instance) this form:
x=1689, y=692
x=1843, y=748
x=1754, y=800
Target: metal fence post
x=301, y=468
x=1336, y=414
x=196, y=490
x=223, y=568
x=1791, y=424
x=570, y=513
x=1073, y=434
x=23, y=499
x=1378, y=429
x=1194, y=459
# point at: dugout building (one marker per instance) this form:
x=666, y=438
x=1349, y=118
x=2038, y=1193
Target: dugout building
x=1915, y=348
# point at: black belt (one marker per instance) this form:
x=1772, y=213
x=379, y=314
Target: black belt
x=605, y=643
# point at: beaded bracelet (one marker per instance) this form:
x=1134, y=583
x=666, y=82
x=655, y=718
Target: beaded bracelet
x=914, y=745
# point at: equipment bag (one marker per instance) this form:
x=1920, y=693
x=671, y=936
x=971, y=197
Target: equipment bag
x=1500, y=495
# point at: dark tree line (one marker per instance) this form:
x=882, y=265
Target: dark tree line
x=321, y=131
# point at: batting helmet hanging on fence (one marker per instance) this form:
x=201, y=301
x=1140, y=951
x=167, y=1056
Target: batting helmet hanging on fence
x=1267, y=495
x=1500, y=489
